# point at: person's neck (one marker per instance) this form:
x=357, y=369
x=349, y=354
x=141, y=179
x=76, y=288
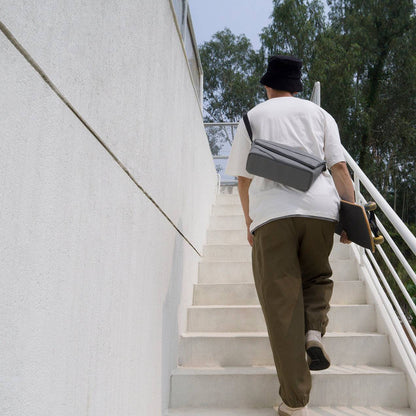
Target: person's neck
x=279, y=93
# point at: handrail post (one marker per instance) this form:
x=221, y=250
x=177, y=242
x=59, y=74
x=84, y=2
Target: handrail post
x=357, y=191
x=395, y=220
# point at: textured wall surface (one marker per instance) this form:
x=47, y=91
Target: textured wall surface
x=94, y=279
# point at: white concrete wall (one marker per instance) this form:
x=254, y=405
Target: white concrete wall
x=94, y=279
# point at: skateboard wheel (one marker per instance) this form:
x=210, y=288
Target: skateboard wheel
x=379, y=239
x=370, y=206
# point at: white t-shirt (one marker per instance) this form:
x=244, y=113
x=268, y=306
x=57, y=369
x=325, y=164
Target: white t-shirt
x=302, y=124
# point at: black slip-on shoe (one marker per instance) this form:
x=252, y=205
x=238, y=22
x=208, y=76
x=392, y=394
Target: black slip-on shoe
x=318, y=359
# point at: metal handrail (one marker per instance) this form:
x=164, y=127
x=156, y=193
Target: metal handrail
x=372, y=279
x=393, y=272
x=392, y=297
x=405, y=233
x=223, y=181
x=395, y=220
x=316, y=93
x=361, y=179
x=396, y=251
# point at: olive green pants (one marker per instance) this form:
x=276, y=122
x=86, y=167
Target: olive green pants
x=292, y=277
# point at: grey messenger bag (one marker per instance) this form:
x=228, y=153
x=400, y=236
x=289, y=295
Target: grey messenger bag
x=282, y=164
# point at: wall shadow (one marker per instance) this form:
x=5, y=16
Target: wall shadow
x=170, y=335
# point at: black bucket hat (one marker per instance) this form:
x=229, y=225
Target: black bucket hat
x=283, y=73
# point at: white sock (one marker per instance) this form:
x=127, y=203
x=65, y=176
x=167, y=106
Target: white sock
x=313, y=336
x=294, y=410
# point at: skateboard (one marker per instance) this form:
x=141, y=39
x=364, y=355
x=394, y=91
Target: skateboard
x=359, y=222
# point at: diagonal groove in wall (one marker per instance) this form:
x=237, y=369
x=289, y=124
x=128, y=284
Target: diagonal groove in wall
x=53, y=87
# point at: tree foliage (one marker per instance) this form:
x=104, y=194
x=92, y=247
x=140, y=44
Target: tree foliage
x=378, y=70
x=232, y=70
x=294, y=28
x=363, y=53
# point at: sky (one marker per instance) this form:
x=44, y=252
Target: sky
x=241, y=16
x=247, y=17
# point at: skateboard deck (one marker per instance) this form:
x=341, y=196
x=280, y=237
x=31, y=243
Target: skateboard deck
x=359, y=223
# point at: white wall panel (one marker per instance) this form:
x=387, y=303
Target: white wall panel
x=121, y=65
x=94, y=280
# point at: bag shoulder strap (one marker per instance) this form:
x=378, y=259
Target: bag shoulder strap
x=248, y=126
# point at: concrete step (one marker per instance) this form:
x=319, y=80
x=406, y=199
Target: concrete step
x=228, y=190
x=253, y=348
x=227, y=209
x=227, y=199
x=251, y=387
x=227, y=236
x=249, y=318
x=313, y=411
x=227, y=252
x=242, y=252
x=230, y=217
x=344, y=293
x=197, y=411
x=240, y=271
x=234, y=236
x=227, y=222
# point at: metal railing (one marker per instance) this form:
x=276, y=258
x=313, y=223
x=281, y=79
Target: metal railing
x=394, y=308
x=375, y=267
x=223, y=135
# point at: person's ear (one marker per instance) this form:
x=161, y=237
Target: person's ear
x=267, y=91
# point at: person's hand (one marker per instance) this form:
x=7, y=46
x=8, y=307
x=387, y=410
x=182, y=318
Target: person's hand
x=250, y=237
x=344, y=238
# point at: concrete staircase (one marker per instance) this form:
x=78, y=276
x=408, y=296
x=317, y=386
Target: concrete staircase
x=225, y=364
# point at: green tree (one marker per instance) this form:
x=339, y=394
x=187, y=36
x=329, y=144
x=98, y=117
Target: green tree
x=232, y=69
x=378, y=39
x=364, y=54
x=294, y=28
x=377, y=31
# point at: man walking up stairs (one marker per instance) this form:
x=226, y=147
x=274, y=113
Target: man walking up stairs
x=291, y=230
